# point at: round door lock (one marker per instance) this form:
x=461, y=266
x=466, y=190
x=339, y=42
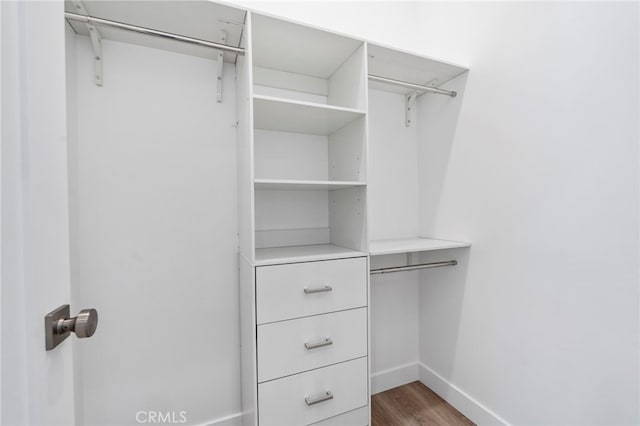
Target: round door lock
x=84, y=325
x=59, y=325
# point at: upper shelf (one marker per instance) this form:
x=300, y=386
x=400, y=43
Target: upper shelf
x=408, y=67
x=201, y=20
x=272, y=113
x=293, y=254
x=411, y=245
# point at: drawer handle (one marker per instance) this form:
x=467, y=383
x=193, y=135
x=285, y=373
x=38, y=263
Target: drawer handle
x=318, y=289
x=325, y=342
x=322, y=398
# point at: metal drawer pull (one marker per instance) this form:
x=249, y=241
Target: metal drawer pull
x=325, y=342
x=322, y=398
x=318, y=290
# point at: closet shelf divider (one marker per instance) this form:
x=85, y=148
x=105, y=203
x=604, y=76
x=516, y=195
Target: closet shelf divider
x=319, y=185
x=412, y=245
x=288, y=115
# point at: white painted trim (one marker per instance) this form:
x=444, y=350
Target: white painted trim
x=460, y=400
x=394, y=377
x=234, y=419
x=1, y=204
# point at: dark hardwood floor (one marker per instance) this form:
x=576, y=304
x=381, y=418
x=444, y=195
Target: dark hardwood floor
x=413, y=404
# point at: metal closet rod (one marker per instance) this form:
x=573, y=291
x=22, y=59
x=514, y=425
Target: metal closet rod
x=413, y=267
x=412, y=86
x=152, y=32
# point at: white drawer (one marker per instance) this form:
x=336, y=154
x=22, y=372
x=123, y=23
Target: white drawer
x=359, y=417
x=282, y=402
x=293, y=346
x=291, y=291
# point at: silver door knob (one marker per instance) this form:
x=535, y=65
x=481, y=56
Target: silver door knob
x=84, y=325
x=59, y=325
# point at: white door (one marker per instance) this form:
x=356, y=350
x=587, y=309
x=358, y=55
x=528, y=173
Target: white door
x=37, y=385
x=140, y=199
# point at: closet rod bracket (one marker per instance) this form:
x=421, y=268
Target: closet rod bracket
x=220, y=65
x=411, y=100
x=96, y=41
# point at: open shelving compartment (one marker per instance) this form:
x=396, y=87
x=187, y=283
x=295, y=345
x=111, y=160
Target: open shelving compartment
x=295, y=62
x=309, y=118
x=408, y=142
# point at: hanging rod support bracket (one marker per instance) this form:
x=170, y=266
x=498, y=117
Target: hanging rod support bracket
x=222, y=40
x=411, y=100
x=96, y=41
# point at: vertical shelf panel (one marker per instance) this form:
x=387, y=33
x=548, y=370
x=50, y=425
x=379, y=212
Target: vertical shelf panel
x=347, y=218
x=348, y=84
x=246, y=229
x=348, y=152
x=245, y=156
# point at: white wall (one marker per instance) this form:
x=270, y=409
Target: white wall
x=540, y=322
x=154, y=206
x=542, y=176
x=392, y=199
x=389, y=22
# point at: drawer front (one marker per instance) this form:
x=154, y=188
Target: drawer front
x=290, y=401
x=293, y=346
x=296, y=290
x=359, y=417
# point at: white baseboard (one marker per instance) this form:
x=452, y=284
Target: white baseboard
x=230, y=420
x=476, y=412
x=394, y=377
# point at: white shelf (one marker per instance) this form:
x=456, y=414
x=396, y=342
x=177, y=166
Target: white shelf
x=293, y=254
x=295, y=185
x=288, y=115
x=410, y=245
x=409, y=67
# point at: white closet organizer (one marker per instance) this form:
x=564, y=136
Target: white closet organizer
x=304, y=247
x=309, y=139
x=328, y=161
x=331, y=136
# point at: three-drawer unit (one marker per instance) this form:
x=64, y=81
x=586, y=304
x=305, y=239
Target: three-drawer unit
x=312, y=343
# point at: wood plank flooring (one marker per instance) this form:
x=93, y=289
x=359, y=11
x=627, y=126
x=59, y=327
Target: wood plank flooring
x=413, y=404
